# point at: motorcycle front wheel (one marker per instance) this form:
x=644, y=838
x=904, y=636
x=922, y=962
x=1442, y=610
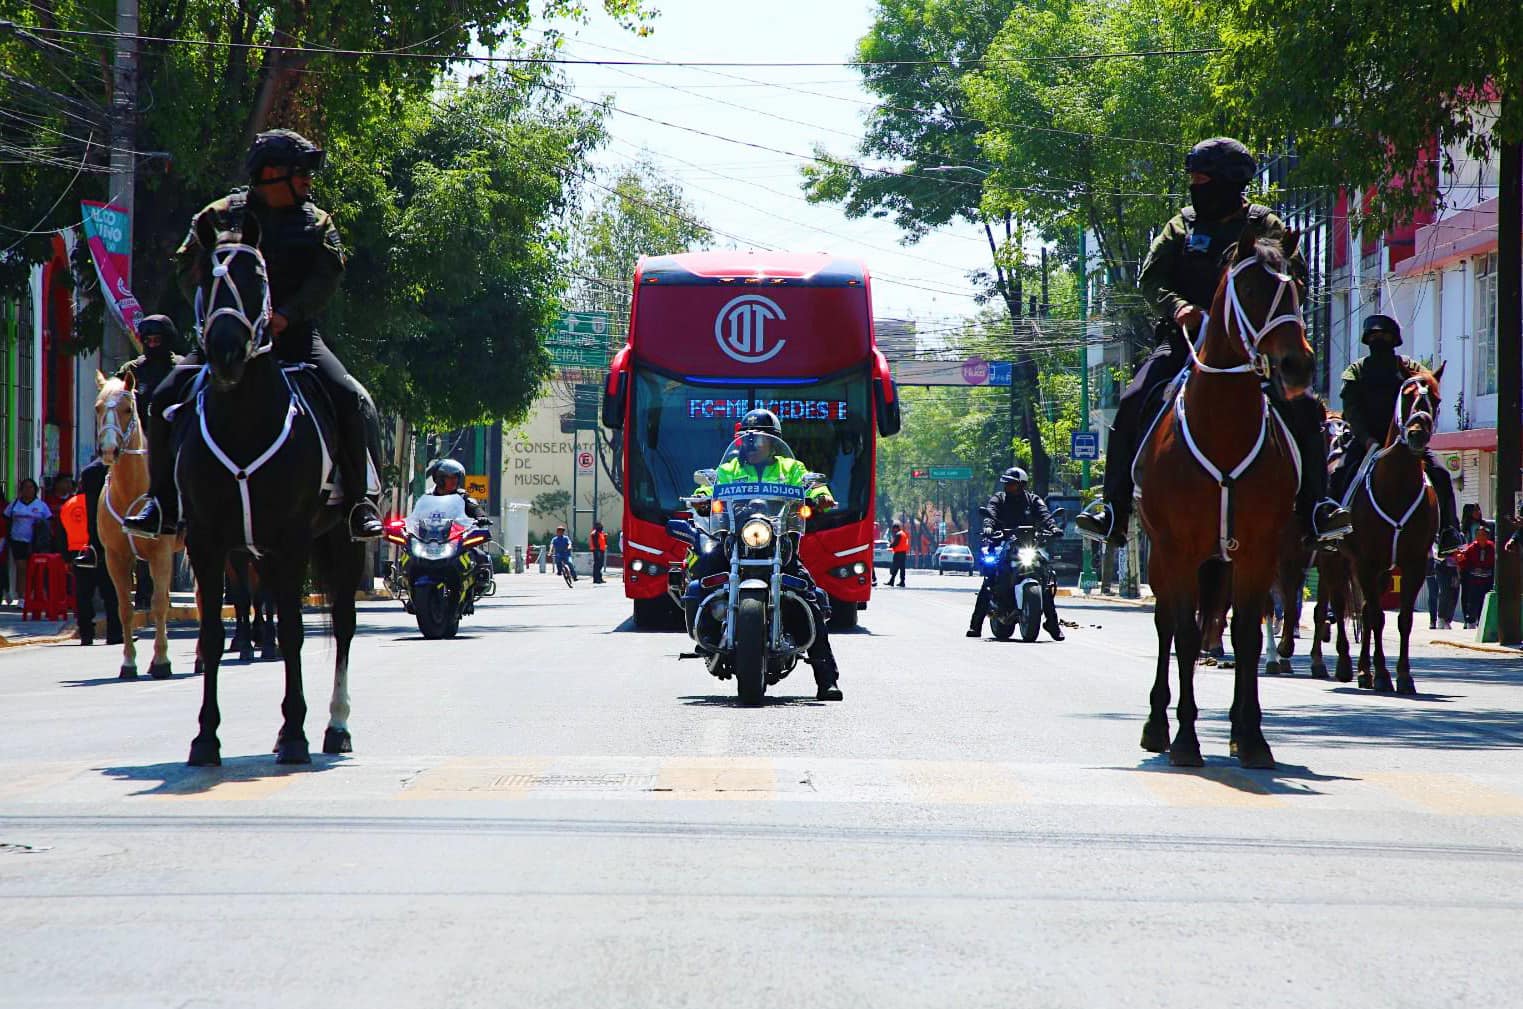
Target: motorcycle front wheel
x=751, y=650
x=432, y=609
x=1031, y=611
x=1000, y=629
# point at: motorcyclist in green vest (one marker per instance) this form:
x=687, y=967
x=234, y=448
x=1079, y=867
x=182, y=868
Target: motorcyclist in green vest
x=757, y=462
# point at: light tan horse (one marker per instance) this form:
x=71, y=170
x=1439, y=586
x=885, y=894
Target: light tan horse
x=124, y=449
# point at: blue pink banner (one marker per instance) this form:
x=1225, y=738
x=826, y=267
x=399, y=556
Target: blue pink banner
x=108, y=232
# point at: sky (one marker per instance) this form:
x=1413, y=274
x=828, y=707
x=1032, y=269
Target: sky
x=752, y=193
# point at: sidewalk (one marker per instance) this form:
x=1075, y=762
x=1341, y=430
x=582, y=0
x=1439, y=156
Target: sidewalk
x=15, y=631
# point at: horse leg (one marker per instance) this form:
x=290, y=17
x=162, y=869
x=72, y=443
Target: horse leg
x=1404, y=682
x=119, y=566
x=1185, y=750
x=238, y=592
x=1319, y=627
x=1345, y=670
x=286, y=573
x=205, y=749
x=1155, y=733
x=346, y=562
x=1248, y=743
x=161, y=563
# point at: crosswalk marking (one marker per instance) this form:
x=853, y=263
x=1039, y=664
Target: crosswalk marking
x=758, y=779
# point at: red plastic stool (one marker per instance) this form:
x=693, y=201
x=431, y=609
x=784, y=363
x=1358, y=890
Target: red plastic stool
x=48, y=596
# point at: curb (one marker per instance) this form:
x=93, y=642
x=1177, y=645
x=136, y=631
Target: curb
x=1472, y=646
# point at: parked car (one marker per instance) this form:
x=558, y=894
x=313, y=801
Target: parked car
x=953, y=557
x=882, y=556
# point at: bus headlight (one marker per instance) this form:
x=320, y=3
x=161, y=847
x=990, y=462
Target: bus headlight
x=636, y=565
x=859, y=568
x=756, y=534
x=1027, y=556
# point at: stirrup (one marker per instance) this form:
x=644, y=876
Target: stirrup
x=1101, y=526
x=359, y=534
x=146, y=523
x=1337, y=520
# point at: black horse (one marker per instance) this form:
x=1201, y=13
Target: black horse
x=252, y=473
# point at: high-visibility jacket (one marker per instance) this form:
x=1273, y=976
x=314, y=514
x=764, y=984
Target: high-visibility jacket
x=780, y=470
x=76, y=522
x=599, y=540
x=901, y=542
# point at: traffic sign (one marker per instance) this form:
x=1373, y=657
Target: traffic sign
x=584, y=463
x=580, y=340
x=922, y=473
x=951, y=472
x=478, y=486
x=1001, y=373
x=1084, y=445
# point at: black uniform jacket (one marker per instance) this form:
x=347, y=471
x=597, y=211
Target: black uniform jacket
x=1011, y=511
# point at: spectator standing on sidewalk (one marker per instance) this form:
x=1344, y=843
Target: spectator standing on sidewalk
x=29, y=516
x=1477, y=563
x=90, y=574
x=598, y=542
x=899, y=548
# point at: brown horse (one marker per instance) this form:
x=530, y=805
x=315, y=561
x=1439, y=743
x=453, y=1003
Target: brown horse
x=1395, y=520
x=1218, y=485
x=124, y=450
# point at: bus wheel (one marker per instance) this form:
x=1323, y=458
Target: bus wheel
x=656, y=614
x=843, y=615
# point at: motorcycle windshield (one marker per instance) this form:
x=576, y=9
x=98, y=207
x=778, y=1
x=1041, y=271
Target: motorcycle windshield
x=434, y=516
x=758, y=474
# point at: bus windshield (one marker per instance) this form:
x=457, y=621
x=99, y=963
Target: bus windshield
x=678, y=427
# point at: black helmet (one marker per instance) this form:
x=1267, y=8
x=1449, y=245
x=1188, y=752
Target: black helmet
x=158, y=325
x=1381, y=324
x=447, y=467
x=762, y=420
x=283, y=148
x=1014, y=475
x=1222, y=158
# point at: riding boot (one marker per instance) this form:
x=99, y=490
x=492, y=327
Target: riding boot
x=980, y=611
x=826, y=675
x=1323, y=520
x=1051, y=623
x=160, y=513
x=364, y=515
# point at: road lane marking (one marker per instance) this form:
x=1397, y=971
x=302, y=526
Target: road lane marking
x=476, y=778
x=717, y=778
x=962, y=782
x=198, y=786
x=1450, y=794
x=1210, y=787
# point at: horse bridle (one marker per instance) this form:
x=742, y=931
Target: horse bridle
x=109, y=425
x=258, y=328
x=1248, y=334
x=1424, y=397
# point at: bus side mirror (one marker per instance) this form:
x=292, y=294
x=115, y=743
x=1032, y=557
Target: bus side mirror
x=615, y=395
x=889, y=420
x=704, y=477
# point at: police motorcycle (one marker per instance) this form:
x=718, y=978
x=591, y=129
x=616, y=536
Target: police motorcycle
x=739, y=629
x=1020, y=570
x=440, y=572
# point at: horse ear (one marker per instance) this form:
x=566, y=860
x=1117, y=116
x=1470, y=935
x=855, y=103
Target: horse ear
x=1290, y=241
x=250, y=229
x=1438, y=373
x=206, y=232
x=1246, y=241
x=100, y=380
x=130, y=382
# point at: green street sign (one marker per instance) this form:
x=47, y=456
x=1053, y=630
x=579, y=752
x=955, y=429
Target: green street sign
x=580, y=340
x=951, y=472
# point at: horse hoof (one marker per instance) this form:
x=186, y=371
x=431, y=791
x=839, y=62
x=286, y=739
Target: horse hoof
x=293, y=751
x=1256, y=756
x=1186, y=755
x=127, y=672
x=160, y=670
x=205, y=753
x=1319, y=671
x=1405, y=686
x=337, y=741
x=1383, y=685
x=1366, y=681
x=1155, y=737
x=1345, y=671
x=1271, y=668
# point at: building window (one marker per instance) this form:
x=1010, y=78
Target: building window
x=1486, y=324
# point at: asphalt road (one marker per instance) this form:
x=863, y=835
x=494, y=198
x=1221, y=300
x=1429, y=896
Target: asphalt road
x=553, y=810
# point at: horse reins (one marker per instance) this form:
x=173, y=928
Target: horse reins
x=1257, y=364
x=257, y=327
x=123, y=435
x=1424, y=396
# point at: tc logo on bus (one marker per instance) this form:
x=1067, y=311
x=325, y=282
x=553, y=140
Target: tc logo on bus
x=740, y=328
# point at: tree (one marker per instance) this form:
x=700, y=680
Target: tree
x=1397, y=83
x=452, y=211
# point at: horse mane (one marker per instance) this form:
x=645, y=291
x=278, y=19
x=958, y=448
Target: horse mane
x=1270, y=253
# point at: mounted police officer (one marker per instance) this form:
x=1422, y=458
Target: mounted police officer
x=1179, y=278
x=305, y=259
x=758, y=462
x=1009, y=509
x=158, y=336
x=1370, y=389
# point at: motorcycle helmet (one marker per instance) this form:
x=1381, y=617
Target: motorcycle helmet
x=755, y=424
x=762, y=420
x=283, y=149
x=443, y=468
x=1014, y=475
x=1381, y=324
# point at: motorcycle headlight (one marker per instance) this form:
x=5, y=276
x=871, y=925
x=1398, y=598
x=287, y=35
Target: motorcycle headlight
x=1027, y=556
x=756, y=534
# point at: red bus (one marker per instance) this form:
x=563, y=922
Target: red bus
x=715, y=334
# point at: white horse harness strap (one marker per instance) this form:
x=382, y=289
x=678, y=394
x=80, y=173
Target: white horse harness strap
x=1369, y=471
x=242, y=473
x=123, y=436
x=221, y=256
x=1224, y=480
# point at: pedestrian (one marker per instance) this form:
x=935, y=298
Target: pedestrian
x=1435, y=569
x=1448, y=589
x=899, y=547
x=29, y=516
x=90, y=574
x=1477, y=565
x=1470, y=517
x=598, y=542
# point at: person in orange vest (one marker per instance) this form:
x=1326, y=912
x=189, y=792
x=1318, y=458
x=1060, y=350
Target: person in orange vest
x=598, y=542
x=899, y=545
x=90, y=575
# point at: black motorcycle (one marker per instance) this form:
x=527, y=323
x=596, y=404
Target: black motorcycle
x=441, y=570
x=741, y=623
x=1020, y=571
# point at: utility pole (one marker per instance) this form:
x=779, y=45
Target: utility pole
x=1086, y=572
x=1509, y=379
x=117, y=346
